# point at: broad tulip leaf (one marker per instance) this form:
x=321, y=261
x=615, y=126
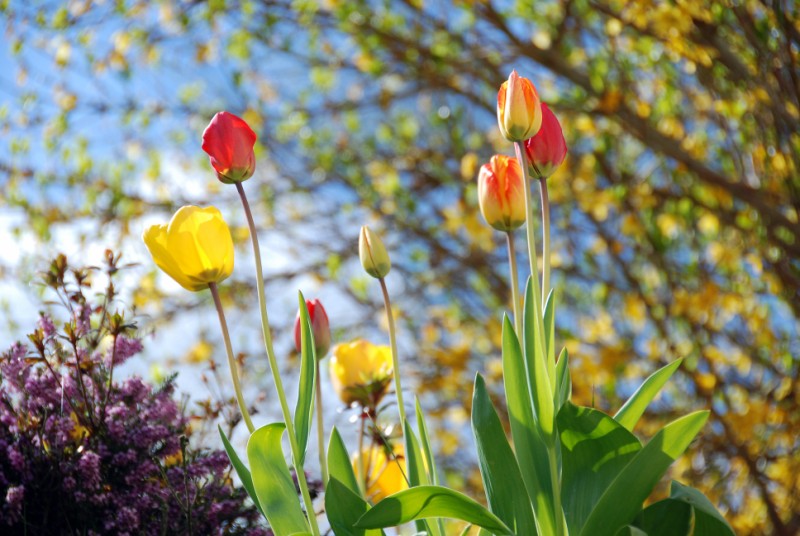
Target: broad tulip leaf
x=624, y=497
x=241, y=469
x=630, y=530
x=550, y=336
x=424, y=502
x=629, y=414
x=563, y=380
x=505, y=490
x=530, y=447
x=666, y=518
x=707, y=519
x=304, y=411
x=273, y=483
x=343, y=508
x=594, y=449
x=536, y=364
x=339, y=463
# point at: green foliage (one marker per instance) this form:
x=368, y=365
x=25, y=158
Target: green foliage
x=304, y=410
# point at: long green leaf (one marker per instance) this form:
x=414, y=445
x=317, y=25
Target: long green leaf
x=339, y=463
x=536, y=365
x=273, y=483
x=629, y=414
x=630, y=530
x=594, y=449
x=304, y=411
x=550, y=337
x=241, y=469
x=423, y=502
x=563, y=380
x=624, y=497
x=343, y=508
x=415, y=468
x=529, y=445
x=505, y=490
x=666, y=518
x=433, y=476
x=707, y=519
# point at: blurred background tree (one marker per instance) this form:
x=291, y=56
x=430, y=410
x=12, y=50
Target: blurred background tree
x=676, y=229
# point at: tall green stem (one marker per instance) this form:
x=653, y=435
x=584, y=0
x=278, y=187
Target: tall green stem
x=237, y=388
x=395, y=361
x=514, y=276
x=273, y=365
x=545, y=238
x=323, y=461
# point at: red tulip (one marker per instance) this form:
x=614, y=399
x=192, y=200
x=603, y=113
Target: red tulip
x=229, y=142
x=319, y=327
x=547, y=149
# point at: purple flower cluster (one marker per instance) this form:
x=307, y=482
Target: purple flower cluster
x=84, y=453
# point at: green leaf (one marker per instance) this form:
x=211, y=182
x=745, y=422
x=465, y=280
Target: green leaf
x=505, y=490
x=433, y=476
x=594, y=450
x=550, y=336
x=632, y=410
x=339, y=463
x=707, y=519
x=304, y=411
x=563, y=380
x=530, y=447
x=666, y=518
x=272, y=481
x=423, y=502
x=415, y=468
x=343, y=508
x=536, y=364
x=630, y=530
x=241, y=469
x=624, y=497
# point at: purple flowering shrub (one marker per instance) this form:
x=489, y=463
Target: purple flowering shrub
x=84, y=453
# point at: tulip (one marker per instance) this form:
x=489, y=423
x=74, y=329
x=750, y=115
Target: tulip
x=319, y=327
x=547, y=149
x=385, y=474
x=372, y=252
x=195, y=248
x=229, y=142
x=361, y=372
x=501, y=193
x=519, y=111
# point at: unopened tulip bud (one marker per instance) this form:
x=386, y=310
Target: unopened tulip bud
x=372, y=252
x=229, y=142
x=319, y=326
x=547, y=149
x=519, y=111
x=501, y=193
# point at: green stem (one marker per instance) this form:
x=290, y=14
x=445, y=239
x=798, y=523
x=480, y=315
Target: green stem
x=273, y=365
x=514, y=276
x=545, y=238
x=323, y=462
x=554, y=477
x=361, y=475
x=237, y=388
x=534, y=262
x=395, y=361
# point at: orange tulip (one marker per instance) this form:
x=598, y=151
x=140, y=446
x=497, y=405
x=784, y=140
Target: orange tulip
x=519, y=111
x=501, y=193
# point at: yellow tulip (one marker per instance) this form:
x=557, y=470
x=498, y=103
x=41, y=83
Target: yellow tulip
x=384, y=474
x=361, y=372
x=195, y=248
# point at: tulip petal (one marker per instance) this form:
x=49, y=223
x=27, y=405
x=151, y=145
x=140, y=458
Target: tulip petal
x=155, y=238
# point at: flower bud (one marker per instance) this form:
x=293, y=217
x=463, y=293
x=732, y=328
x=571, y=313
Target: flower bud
x=372, y=252
x=195, y=248
x=547, y=149
x=228, y=140
x=501, y=193
x=319, y=326
x=519, y=111
x=361, y=372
